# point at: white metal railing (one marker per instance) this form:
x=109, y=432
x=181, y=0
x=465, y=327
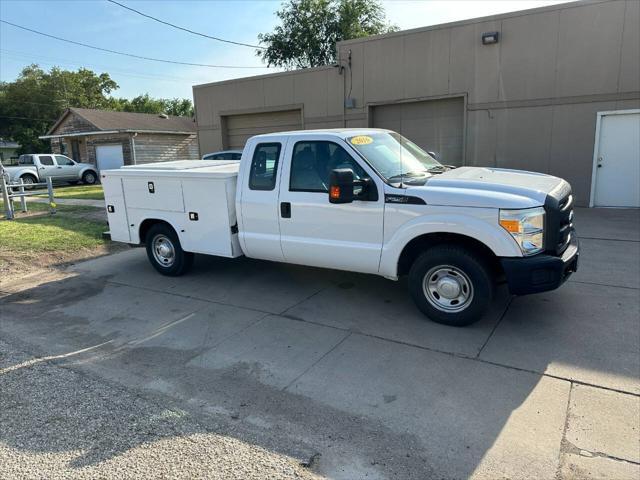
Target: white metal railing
x=8, y=193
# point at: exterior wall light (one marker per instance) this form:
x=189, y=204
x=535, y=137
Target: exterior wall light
x=490, y=38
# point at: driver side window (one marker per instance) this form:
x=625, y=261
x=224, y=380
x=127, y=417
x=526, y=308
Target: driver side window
x=312, y=162
x=63, y=161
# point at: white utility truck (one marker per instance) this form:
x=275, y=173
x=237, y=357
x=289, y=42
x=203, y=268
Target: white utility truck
x=364, y=200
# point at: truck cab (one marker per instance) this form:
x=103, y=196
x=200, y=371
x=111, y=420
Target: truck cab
x=371, y=201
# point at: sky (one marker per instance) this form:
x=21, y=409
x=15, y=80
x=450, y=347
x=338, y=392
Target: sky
x=106, y=25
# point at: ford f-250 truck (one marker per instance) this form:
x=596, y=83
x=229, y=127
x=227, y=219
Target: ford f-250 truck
x=366, y=201
x=35, y=168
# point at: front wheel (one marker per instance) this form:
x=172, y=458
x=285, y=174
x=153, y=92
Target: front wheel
x=89, y=178
x=450, y=285
x=165, y=252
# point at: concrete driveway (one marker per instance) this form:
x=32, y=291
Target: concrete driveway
x=339, y=371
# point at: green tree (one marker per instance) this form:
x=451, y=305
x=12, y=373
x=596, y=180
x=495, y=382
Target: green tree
x=310, y=29
x=30, y=104
x=36, y=99
x=181, y=107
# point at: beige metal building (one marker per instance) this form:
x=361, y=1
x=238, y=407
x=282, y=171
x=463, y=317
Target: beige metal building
x=530, y=101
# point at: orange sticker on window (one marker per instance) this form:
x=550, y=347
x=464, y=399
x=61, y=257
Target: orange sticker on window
x=361, y=140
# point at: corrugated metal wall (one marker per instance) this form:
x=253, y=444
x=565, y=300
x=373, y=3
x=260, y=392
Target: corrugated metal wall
x=239, y=128
x=435, y=125
x=152, y=148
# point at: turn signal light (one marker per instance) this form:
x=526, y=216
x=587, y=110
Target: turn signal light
x=334, y=192
x=511, y=226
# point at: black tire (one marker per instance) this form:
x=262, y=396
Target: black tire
x=89, y=177
x=451, y=269
x=162, y=235
x=28, y=179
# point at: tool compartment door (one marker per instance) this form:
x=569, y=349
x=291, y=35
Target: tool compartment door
x=116, y=208
x=154, y=193
x=207, y=223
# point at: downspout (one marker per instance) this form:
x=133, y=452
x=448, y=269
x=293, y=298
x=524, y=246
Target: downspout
x=133, y=147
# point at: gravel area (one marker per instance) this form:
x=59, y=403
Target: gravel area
x=60, y=422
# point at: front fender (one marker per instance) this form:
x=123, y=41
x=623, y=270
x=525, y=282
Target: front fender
x=85, y=169
x=481, y=225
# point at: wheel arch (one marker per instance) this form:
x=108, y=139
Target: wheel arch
x=146, y=225
x=27, y=173
x=92, y=170
x=423, y=242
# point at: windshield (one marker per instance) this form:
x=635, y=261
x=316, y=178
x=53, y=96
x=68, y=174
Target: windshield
x=393, y=156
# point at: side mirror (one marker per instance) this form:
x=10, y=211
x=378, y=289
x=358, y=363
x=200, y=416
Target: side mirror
x=341, y=185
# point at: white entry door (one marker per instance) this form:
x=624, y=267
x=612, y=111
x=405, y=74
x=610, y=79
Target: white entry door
x=109, y=157
x=616, y=176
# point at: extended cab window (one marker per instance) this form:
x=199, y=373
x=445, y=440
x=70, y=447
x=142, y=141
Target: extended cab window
x=25, y=160
x=63, y=161
x=312, y=163
x=264, y=166
x=46, y=160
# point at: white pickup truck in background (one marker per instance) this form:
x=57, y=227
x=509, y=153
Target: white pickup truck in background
x=37, y=167
x=363, y=200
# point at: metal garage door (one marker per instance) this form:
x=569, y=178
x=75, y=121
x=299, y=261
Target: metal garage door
x=109, y=157
x=435, y=125
x=240, y=127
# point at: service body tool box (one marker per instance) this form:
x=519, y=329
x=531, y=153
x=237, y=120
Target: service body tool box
x=196, y=197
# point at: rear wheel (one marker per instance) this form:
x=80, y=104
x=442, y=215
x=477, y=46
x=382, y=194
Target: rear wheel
x=451, y=285
x=28, y=181
x=165, y=252
x=89, y=178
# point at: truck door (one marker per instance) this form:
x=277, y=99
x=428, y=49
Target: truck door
x=67, y=169
x=316, y=232
x=47, y=167
x=259, y=229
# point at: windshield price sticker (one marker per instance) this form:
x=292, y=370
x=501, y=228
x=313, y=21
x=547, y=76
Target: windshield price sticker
x=361, y=140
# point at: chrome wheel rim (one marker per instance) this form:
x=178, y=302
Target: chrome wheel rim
x=447, y=288
x=163, y=250
x=28, y=180
x=89, y=178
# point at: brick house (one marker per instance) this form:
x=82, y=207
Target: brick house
x=111, y=139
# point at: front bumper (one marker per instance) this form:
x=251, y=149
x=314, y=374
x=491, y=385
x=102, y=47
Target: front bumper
x=541, y=272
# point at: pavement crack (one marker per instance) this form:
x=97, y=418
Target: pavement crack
x=318, y=361
x=302, y=301
x=563, y=439
x=609, y=239
x=603, y=284
x=568, y=447
x=504, y=313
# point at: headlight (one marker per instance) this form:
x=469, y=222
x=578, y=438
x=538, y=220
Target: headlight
x=526, y=226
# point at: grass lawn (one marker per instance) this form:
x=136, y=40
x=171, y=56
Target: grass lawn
x=87, y=192
x=36, y=240
x=70, y=229
x=50, y=233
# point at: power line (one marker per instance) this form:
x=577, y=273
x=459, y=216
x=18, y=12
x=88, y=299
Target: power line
x=77, y=63
x=29, y=118
x=124, y=53
x=185, y=29
x=32, y=103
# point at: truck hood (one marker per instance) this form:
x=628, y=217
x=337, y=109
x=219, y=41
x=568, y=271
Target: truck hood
x=489, y=187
